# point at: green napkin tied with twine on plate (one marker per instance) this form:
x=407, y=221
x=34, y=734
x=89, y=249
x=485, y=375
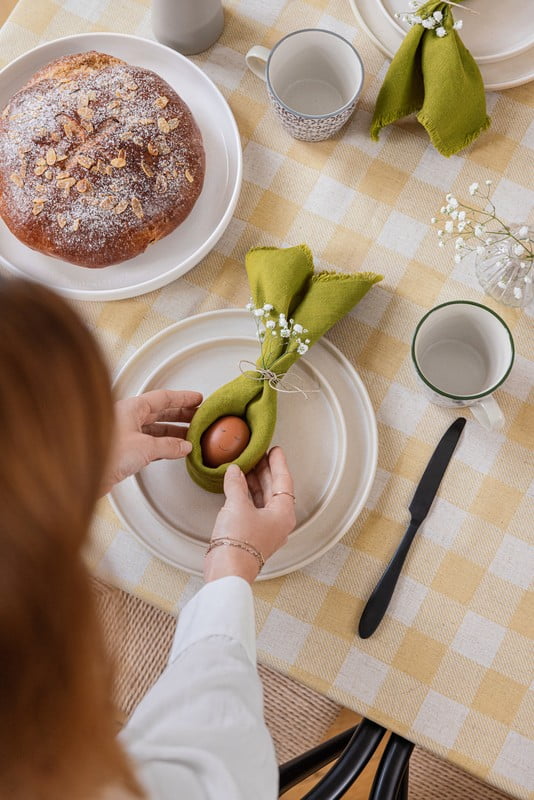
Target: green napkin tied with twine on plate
x=282, y=282
x=435, y=75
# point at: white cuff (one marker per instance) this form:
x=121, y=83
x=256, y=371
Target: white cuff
x=224, y=607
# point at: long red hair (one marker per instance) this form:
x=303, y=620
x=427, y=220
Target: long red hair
x=57, y=730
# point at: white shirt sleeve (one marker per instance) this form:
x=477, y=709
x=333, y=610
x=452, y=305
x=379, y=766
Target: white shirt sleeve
x=199, y=733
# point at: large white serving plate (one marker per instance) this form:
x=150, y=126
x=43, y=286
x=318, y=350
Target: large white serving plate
x=181, y=250
x=330, y=440
x=500, y=36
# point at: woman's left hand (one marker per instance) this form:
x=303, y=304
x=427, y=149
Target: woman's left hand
x=146, y=430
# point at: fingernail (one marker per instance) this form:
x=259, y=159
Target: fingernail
x=233, y=469
x=187, y=447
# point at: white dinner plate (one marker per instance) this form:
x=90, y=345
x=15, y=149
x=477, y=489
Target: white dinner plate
x=500, y=38
x=182, y=249
x=330, y=440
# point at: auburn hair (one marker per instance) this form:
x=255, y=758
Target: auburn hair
x=57, y=728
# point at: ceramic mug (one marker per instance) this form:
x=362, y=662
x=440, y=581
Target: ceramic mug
x=189, y=26
x=462, y=351
x=314, y=78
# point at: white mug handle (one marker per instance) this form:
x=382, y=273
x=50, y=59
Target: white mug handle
x=488, y=413
x=256, y=59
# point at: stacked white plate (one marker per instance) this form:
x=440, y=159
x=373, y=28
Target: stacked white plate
x=330, y=440
x=499, y=35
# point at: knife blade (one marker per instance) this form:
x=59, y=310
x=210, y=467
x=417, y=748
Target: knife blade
x=423, y=498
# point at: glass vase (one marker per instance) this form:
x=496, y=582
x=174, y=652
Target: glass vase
x=504, y=275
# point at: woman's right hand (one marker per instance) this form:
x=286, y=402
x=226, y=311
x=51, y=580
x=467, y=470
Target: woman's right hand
x=260, y=510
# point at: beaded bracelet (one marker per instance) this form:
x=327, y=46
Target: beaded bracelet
x=241, y=544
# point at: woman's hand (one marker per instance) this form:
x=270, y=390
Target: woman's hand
x=146, y=430
x=260, y=510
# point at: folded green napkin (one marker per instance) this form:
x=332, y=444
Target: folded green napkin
x=283, y=281
x=434, y=74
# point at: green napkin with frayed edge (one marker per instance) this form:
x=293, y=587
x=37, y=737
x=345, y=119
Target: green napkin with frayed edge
x=285, y=279
x=437, y=77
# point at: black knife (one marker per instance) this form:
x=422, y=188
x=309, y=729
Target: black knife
x=422, y=500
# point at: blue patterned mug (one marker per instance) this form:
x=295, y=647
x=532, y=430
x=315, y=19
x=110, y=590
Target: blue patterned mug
x=314, y=78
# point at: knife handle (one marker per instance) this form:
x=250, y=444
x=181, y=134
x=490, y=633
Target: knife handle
x=378, y=602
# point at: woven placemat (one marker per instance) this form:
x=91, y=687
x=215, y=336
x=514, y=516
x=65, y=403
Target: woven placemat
x=434, y=779
x=139, y=637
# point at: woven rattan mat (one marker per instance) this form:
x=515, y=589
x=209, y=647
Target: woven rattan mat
x=139, y=636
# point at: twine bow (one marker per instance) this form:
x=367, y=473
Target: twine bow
x=277, y=381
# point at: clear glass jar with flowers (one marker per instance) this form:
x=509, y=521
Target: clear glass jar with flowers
x=504, y=260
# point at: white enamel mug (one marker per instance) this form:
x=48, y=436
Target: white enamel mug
x=314, y=78
x=462, y=352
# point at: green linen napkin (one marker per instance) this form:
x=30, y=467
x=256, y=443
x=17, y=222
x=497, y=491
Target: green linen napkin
x=283, y=279
x=433, y=73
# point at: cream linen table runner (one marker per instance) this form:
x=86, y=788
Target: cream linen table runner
x=451, y=665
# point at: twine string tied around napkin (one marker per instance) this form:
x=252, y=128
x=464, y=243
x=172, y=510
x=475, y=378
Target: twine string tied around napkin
x=277, y=381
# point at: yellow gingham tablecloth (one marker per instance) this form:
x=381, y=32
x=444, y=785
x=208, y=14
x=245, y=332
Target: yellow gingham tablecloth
x=451, y=665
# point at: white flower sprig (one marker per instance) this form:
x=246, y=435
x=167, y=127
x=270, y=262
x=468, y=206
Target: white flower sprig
x=433, y=21
x=474, y=229
x=270, y=324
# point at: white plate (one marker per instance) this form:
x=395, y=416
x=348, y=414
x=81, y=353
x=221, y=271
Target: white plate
x=182, y=249
x=330, y=441
x=505, y=53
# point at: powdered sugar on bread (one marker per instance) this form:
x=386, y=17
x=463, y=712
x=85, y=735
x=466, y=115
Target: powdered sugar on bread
x=98, y=158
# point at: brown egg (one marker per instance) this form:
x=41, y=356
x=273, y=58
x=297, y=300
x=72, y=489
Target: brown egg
x=224, y=441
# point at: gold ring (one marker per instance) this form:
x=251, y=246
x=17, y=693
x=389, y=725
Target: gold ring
x=288, y=494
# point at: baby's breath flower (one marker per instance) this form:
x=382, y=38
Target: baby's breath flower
x=441, y=32
x=438, y=15
x=271, y=324
x=429, y=23
x=480, y=228
x=458, y=25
